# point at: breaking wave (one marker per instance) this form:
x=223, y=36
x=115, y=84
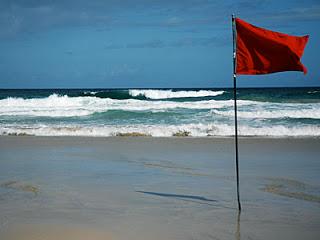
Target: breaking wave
x=312, y=112
x=194, y=130
x=159, y=113
x=166, y=94
x=64, y=106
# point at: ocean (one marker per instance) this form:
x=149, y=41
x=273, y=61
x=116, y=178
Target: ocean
x=262, y=112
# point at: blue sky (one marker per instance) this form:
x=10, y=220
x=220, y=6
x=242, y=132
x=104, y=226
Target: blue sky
x=143, y=43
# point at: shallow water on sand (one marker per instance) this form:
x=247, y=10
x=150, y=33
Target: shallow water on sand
x=148, y=188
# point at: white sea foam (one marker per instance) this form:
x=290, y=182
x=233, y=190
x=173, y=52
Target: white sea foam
x=210, y=122
x=90, y=92
x=311, y=92
x=195, y=130
x=310, y=111
x=163, y=94
x=64, y=106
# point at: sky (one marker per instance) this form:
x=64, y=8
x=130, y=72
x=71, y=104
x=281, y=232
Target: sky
x=144, y=43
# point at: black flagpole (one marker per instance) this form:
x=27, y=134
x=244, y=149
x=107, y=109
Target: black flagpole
x=235, y=106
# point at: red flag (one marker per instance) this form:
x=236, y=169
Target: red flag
x=261, y=51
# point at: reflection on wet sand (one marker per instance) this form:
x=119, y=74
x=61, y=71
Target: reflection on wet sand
x=238, y=230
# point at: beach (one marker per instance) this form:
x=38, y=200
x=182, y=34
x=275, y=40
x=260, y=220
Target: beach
x=158, y=188
x=159, y=120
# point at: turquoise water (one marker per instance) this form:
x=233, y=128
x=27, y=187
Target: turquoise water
x=274, y=112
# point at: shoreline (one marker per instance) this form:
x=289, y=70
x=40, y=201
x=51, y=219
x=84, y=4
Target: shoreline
x=158, y=137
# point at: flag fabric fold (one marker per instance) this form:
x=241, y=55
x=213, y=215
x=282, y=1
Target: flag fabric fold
x=261, y=51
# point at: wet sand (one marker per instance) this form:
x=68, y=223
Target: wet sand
x=54, y=232
x=158, y=188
